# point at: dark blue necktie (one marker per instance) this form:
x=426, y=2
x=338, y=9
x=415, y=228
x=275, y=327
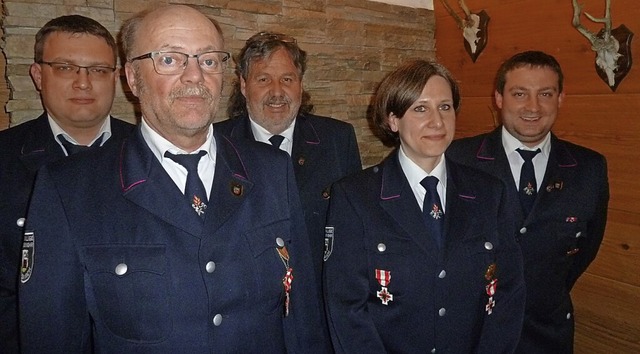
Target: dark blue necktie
x=276, y=140
x=194, y=189
x=432, y=212
x=72, y=148
x=527, y=188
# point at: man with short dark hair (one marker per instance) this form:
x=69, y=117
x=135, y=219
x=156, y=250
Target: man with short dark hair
x=75, y=72
x=558, y=192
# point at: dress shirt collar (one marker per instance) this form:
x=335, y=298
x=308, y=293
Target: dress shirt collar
x=263, y=135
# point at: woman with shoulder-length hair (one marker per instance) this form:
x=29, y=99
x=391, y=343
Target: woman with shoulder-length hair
x=421, y=261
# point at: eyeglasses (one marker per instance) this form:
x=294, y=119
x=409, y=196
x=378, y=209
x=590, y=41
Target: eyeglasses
x=271, y=36
x=174, y=63
x=69, y=71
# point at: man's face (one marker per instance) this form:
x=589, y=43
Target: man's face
x=530, y=103
x=79, y=100
x=179, y=107
x=428, y=126
x=273, y=90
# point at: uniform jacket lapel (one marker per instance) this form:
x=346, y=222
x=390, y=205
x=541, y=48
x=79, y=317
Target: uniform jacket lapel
x=39, y=146
x=560, y=168
x=306, y=150
x=492, y=159
x=231, y=184
x=145, y=183
x=397, y=199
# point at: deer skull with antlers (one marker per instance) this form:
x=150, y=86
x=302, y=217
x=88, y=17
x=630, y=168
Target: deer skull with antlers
x=473, y=26
x=613, y=58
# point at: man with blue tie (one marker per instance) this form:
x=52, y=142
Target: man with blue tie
x=181, y=240
x=558, y=194
x=268, y=104
x=75, y=72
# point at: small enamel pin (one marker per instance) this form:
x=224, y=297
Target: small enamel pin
x=198, y=205
x=435, y=212
x=528, y=190
x=384, y=278
x=236, y=189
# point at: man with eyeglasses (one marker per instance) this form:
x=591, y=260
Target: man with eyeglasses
x=182, y=240
x=75, y=72
x=269, y=104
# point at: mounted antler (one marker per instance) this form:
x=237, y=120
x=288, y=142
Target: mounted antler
x=473, y=26
x=592, y=37
x=459, y=21
x=603, y=43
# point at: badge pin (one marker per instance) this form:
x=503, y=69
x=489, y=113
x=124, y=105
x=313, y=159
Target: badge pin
x=26, y=261
x=528, y=190
x=301, y=160
x=236, y=189
x=198, y=205
x=328, y=242
x=435, y=212
x=491, y=270
x=286, y=282
x=571, y=219
x=384, y=278
x=555, y=185
x=384, y=295
x=491, y=287
x=573, y=251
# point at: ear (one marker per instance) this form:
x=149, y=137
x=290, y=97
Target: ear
x=392, y=120
x=35, y=70
x=131, y=78
x=498, y=98
x=243, y=86
x=116, y=76
x=560, y=99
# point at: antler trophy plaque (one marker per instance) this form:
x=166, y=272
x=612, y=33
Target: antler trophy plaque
x=474, y=28
x=612, y=46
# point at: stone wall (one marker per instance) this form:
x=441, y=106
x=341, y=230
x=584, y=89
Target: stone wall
x=351, y=45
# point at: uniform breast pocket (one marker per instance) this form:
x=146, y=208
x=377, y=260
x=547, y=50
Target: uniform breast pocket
x=130, y=289
x=270, y=246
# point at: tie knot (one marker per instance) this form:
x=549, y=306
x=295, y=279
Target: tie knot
x=72, y=148
x=528, y=155
x=276, y=140
x=429, y=183
x=188, y=161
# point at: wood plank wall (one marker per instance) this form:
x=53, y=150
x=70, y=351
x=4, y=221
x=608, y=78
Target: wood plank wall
x=607, y=297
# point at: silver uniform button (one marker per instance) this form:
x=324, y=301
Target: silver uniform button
x=578, y=234
x=442, y=274
x=568, y=315
x=488, y=246
x=210, y=267
x=121, y=269
x=523, y=230
x=279, y=242
x=382, y=247
x=217, y=320
x=20, y=222
x=442, y=312
x=433, y=350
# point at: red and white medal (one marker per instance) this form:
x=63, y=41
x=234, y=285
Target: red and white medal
x=384, y=278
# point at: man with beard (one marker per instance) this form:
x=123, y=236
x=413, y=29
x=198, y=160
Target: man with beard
x=75, y=72
x=558, y=192
x=181, y=240
x=268, y=104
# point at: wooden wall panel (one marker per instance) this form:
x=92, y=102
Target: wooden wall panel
x=607, y=297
